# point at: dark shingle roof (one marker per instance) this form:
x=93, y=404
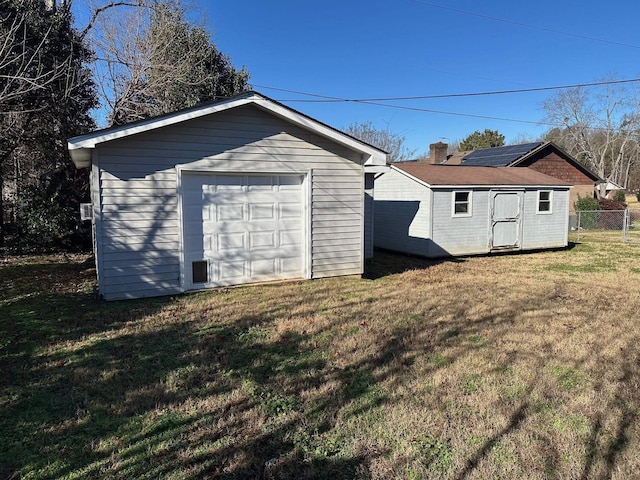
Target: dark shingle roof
x=458, y=175
x=498, y=156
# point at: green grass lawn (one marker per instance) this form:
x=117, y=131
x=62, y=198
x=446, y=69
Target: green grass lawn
x=510, y=366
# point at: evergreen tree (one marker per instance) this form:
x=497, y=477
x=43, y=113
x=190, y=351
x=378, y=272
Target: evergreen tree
x=478, y=140
x=56, y=95
x=158, y=62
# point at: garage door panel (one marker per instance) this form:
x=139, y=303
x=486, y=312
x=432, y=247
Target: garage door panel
x=232, y=212
x=255, y=183
x=247, y=228
x=227, y=182
x=290, y=237
x=229, y=242
x=260, y=268
x=289, y=183
x=231, y=270
x=261, y=211
x=289, y=266
x=262, y=239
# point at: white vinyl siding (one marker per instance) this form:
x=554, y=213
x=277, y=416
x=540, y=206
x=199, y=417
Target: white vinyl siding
x=139, y=201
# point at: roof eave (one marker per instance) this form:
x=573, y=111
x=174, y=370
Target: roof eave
x=509, y=185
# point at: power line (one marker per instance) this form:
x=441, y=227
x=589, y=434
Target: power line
x=458, y=114
x=526, y=25
x=319, y=98
x=328, y=99
x=402, y=107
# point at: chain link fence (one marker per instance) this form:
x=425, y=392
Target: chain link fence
x=632, y=231
x=606, y=225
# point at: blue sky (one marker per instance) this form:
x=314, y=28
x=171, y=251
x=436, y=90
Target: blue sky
x=390, y=48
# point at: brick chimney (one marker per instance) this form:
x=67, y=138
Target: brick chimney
x=438, y=152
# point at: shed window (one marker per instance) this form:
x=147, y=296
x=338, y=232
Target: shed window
x=462, y=204
x=199, y=272
x=544, y=201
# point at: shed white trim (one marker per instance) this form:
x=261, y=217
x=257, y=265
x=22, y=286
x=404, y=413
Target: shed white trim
x=80, y=147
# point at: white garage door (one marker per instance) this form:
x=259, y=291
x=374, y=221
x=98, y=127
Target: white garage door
x=242, y=228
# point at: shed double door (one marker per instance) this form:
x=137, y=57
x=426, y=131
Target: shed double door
x=242, y=228
x=506, y=220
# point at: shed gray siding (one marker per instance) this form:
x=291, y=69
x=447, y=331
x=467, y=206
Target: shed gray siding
x=460, y=235
x=402, y=214
x=137, y=218
x=546, y=230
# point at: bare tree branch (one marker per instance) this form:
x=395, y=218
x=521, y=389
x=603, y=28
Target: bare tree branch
x=98, y=11
x=600, y=128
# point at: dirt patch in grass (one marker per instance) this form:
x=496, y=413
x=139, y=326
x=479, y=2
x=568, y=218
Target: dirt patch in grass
x=485, y=367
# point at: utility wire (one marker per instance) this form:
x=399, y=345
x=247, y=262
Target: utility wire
x=328, y=99
x=526, y=25
x=458, y=114
x=401, y=107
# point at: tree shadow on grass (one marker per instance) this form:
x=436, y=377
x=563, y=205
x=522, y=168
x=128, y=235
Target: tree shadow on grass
x=162, y=387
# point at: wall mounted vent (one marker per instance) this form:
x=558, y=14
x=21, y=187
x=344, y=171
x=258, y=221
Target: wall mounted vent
x=86, y=211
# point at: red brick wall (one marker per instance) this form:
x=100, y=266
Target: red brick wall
x=555, y=166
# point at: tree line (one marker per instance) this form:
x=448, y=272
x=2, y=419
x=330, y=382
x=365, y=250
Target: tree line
x=133, y=60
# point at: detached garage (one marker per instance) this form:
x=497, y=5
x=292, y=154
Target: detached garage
x=239, y=191
x=442, y=210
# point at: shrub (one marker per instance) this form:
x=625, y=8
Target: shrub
x=615, y=219
x=620, y=196
x=606, y=204
x=591, y=208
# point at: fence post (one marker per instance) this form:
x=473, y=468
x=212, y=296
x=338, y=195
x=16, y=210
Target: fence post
x=625, y=224
x=578, y=225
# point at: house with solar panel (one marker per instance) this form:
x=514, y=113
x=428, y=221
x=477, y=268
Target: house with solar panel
x=437, y=210
x=543, y=157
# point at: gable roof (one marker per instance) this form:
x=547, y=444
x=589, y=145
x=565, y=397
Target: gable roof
x=80, y=147
x=515, y=155
x=459, y=176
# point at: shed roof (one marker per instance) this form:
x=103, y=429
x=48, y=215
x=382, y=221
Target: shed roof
x=80, y=147
x=459, y=175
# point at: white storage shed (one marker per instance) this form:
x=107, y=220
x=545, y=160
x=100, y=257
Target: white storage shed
x=442, y=210
x=238, y=191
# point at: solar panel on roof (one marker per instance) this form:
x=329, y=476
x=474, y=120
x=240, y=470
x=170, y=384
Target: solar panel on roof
x=498, y=156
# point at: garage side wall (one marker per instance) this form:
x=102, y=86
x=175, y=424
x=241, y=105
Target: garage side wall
x=402, y=214
x=368, y=214
x=139, y=242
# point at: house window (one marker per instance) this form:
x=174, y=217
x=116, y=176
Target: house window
x=461, y=204
x=199, y=271
x=544, y=201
